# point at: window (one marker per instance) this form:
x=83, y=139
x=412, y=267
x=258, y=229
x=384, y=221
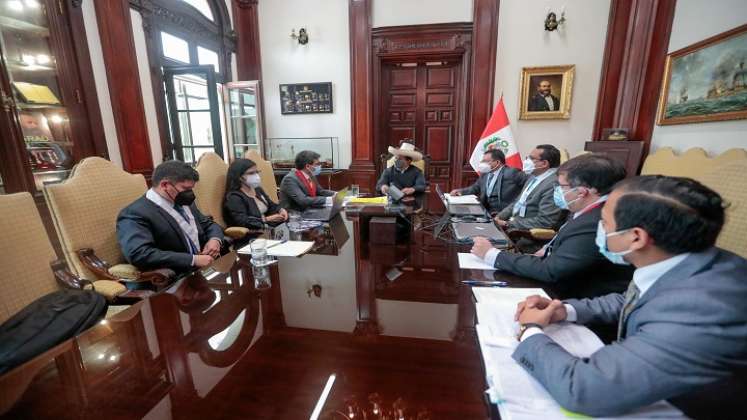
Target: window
x=190, y=44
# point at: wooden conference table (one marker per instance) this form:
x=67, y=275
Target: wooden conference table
x=391, y=329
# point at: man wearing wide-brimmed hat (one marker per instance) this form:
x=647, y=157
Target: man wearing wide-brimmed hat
x=403, y=174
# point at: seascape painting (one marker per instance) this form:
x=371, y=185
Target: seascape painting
x=706, y=81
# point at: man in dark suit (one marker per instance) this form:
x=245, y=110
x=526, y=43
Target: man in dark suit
x=403, y=174
x=164, y=228
x=498, y=184
x=300, y=189
x=543, y=100
x=571, y=262
x=681, y=325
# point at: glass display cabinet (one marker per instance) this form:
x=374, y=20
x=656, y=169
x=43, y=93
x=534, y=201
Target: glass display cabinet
x=242, y=106
x=282, y=151
x=44, y=124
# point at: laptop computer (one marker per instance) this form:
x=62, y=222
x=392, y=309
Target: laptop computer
x=464, y=231
x=326, y=213
x=460, y=209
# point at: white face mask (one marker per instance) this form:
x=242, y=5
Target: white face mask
x=484, y=167
x=528, y=165
x=252, y=181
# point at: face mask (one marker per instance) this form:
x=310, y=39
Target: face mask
x=601, y=240
x=316, y=170
x=252, y=181
x=184, y=198
x=528, y=165
x=484, y=167
x=399, y=164
x=559, y=197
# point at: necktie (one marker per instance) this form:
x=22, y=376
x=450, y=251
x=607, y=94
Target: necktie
x=491, y=179
x=631, y=297
x=180, y=210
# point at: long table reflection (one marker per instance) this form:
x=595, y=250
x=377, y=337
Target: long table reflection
x=392, y=324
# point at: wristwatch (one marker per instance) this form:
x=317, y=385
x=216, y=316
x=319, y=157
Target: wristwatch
x=524, y=327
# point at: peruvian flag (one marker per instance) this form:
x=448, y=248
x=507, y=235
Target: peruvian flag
x=497, y=134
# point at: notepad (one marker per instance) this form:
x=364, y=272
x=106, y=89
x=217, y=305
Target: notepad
x=278, y=249
x=472, y=262
x=461, y=199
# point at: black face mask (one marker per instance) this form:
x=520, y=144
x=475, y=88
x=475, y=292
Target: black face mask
x=184, y=198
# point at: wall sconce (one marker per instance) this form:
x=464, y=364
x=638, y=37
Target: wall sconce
x=302, y=37
x=316, y=289
x=551, y=20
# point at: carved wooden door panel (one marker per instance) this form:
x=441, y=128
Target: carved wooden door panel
x=420, y=102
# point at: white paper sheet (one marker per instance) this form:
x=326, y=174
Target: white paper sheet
x=468, y=261
x=461, y=199
x=288, y=249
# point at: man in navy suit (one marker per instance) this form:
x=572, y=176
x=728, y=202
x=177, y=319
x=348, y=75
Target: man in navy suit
x=682, y=324
x=164, y=228
x=498, y=185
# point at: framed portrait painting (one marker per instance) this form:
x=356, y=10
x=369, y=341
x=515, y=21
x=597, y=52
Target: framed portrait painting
x=546, y=92
x=706, y=81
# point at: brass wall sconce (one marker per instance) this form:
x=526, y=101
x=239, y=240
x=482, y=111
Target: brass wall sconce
x=552, y=22
x=302, y=37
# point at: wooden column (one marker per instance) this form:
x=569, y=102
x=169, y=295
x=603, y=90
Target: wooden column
x=362, y=169
x=246, y=24
x=633, y=67
x=120, y=59
x=482, y=83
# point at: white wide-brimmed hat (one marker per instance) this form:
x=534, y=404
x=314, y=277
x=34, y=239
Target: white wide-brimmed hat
x=406, y=149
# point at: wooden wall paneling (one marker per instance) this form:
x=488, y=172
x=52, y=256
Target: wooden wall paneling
x=362, y=168
x=120, y=58
x=248, y=54
x=482, y=79
x=633, y=66
x=16, y=172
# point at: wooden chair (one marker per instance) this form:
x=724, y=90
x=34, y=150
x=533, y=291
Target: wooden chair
x=30, y=267
x=727, y=180
x=84, y=210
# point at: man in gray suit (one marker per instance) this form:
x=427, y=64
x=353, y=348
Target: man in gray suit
x=498, y=184
x=682, y=324
x=300, y=189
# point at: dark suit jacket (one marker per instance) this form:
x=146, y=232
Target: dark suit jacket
x=241, y=210
x=538, y=103
x=507, y=188
x=412, y=178
x=150, y=238
x=573, y=263
x=295, y=196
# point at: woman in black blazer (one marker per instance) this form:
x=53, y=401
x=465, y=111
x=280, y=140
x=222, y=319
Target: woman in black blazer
x=246, y=204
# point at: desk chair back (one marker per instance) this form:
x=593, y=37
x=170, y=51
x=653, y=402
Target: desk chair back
x=728, y=181
x=84, y=210
x=269, y=184
x=212, y=186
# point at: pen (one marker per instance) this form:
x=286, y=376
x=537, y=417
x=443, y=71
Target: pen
x=277, y=243
x=485, y=283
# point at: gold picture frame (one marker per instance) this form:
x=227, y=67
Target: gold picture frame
x=534, y=105
x=706, y=81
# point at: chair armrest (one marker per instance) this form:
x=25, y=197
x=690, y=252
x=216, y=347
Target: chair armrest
x=66, y=278
x=542, y=234
x=236, y=232
x=95, y=264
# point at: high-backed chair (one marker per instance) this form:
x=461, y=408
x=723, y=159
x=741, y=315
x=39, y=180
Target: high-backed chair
x=268, y=174
x=84, y=210
x=728, y=180
x=564, y=155
x=27, y=259
x=693, y=163
x=211, y=189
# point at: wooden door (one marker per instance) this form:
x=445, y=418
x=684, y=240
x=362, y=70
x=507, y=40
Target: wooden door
x=420, y=101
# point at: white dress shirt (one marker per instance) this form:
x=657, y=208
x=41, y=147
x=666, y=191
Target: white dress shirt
x=492, y=178
x=188, y=225
x=644, y=278
x=532, y=182
x=550, y=102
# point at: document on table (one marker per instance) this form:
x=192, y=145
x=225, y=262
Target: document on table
x=469, y=261
x=287, y=249
x=461, y=199
x=517, y=394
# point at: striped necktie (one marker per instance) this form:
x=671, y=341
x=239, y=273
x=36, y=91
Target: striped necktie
x=631, y=298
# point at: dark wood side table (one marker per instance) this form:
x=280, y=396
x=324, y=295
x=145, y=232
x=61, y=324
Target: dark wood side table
x=629, y=152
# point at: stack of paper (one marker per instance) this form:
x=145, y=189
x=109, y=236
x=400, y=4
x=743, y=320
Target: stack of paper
x=469, y=261
x=282, y=249
x=461, y=199
x=517, y=394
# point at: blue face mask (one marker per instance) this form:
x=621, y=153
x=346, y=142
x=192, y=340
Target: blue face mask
x=317, y=170
x=601, y=241
x=559, y=197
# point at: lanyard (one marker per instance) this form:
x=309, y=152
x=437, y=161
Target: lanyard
x=310, y=186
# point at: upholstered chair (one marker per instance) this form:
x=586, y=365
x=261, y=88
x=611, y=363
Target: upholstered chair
x=30, y=266
x=728, y=180
x=84, y=210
